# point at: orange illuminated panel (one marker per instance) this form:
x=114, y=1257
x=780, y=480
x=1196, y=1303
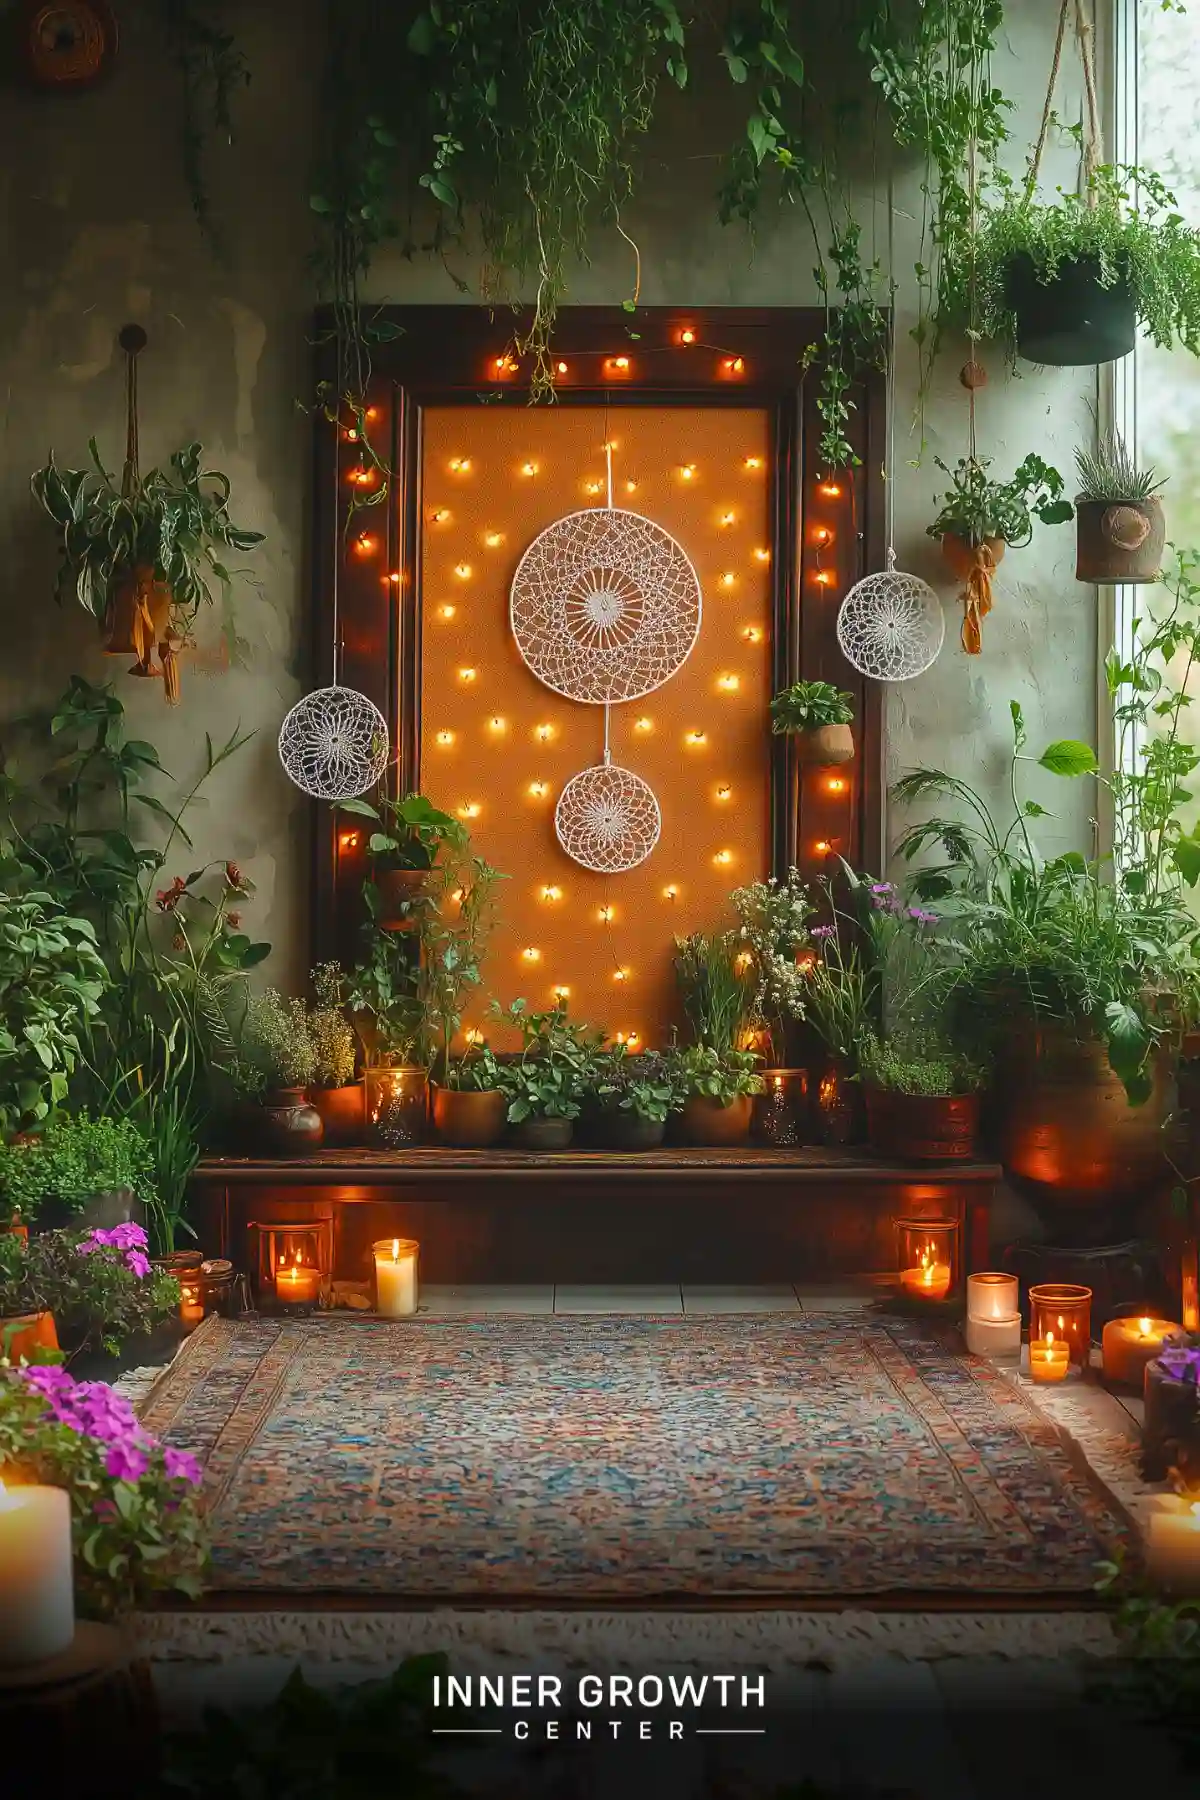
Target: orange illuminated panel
x=702, y=741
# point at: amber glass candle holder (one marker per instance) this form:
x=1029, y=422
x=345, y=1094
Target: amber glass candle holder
x=397, y=1100
x=1064, y=1311
x=780, y=1110
x=295, y=1264
x=927, y=1261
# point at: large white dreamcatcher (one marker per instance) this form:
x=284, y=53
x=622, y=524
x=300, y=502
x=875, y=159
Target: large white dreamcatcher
x=605, y=606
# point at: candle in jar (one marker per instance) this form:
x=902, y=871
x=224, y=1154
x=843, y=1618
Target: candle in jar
x=992, y=1295
x=297, y=1284
x=1173, y=1545
x=191, y=1307
x=1049, y=1358
x=930, y=1280
x=396, y=1278
x=37, y=1596
x=994, y=1337
x=1129, y=1344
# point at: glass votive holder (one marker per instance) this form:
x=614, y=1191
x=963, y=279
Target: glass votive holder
x=994, y=1338
x=396, y=1290
x=397, y=1101
x=992, y=1296
x=927, y=1260
x=780, y=1110
x=1060, y=1310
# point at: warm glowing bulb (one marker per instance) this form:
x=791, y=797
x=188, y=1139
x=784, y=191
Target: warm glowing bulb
x=605, y=915
x=365, y=543
x=687, y=471
x=469, y=811
x=562, y=993
x=696, y=737
x=445, y=737
x=728, y=519
x=351, y=435
x=620, y=362
x=734, y=365
x=441, y=516
x=463, y=571
x=544, y=733
x=529, y=468
x=836, y=784
x=631, y=487
x=459, y=465
x=822, y=846
x=687, y=335
x=593, y=487
x=561, y=368
x=530, y=954
x=551, y=893
x=620, y=974
x=752, y=634
x=493, y=539
x=505, y=365
x=447, y=611
x=728, y=578
x=633, y=1038
x=822, y=535
x=393, y=579
x=457, y=896
x=753, y=462
x=729, y=683
x=466, y=674
x=372, y=412
x=669, y=893
x=537, y=789
x=724, y=793
x=743, y=961
x=474, y=1035
x=363, y=477
x=762, y=556
x=348, y=840
x=498, y=724
x=643, y=725
x=831, y=488
x=823, y=578
x=723, y=856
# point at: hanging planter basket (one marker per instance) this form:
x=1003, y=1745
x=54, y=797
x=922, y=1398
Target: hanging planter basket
x=139, y=610
x=974, y=565
x=1119, y=542
x=825, y=746
x=1072, y=320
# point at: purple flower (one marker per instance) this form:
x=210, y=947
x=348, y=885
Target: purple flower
x=138, y=1261
x=882, y=887
x=1181, y=1362
x=920, y=917
x=124, y=1463
x=47, y=1378
x=180, y=1466
x=822, y=931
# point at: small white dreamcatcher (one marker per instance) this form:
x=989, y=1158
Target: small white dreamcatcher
x=891, y=626
x=605, y=606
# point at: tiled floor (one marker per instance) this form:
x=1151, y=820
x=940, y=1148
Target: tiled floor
x=673, y=1298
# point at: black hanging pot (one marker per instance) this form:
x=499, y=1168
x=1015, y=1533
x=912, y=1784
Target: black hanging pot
x=1072, y=320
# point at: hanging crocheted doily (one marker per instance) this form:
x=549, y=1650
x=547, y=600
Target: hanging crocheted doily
x=605, y=606
x=891, y=625
x=334, y=744
x=607, y=819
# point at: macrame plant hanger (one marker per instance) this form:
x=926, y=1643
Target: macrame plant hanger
x=138, y=597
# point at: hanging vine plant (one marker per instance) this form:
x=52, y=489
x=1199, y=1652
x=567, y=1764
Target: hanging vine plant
x=534, y=109
x=212, y=67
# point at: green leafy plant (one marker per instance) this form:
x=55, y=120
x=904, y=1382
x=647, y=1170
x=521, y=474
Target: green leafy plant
x=549, y=1078
x=383, y=1001
x=276, y=1043
x=1125, y=222
x=976, y=508
x=772, y=929
x=1110, y=473
x=855, y=340
x=135, y=1525
x=212, y=67
x=715, y=994
x=704, y=1072
x=920, y=1062
x=477, y=1072
x=51, y=982
x=808, y=704
x=415, y=832
x=330, y=1030
x=649, y=1085
x=455, y=924
x=175, y=522
x=74, y=1159
x=99, y=1284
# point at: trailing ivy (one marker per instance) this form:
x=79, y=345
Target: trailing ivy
x=211, y=68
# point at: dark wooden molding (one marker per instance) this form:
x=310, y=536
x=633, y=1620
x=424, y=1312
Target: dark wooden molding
x=741, y=356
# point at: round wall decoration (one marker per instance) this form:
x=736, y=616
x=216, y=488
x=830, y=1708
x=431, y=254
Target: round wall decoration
x=334, y=744
x=67, y=43
x=605, y=606
x=891, y=625
x=607, y=819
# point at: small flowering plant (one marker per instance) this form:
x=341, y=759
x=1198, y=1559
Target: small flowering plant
x=99, y=1284
x=136, y=1525
x=772, y=929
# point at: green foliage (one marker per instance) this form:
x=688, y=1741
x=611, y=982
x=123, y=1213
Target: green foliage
x=383, y=1002
x=713, y=986
x=98, y=1299
x=414, y=833
x=772, y=930
x=918, y=1062
x=807, y=704
x=329, y=1029
x=52, y=979
x=1126, y=222
x=478, y=1072
x=649, y=1085
x=211, y=68
x=762, y=58
x=1110, y=473
x=976, y=507
x=555, y=1068
x=74, y=1159
x=276, y=1043
x=707, y=1073
x=455, y=922
x=174, y=522
x=855, y=339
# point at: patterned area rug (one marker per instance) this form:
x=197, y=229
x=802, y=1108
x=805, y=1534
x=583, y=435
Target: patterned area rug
x=628, y=1459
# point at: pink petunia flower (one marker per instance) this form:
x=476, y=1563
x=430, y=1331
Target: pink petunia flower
x=126, y=1464
x=181, y=1466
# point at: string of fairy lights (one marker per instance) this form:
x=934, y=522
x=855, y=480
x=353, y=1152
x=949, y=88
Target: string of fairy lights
x=824, y=524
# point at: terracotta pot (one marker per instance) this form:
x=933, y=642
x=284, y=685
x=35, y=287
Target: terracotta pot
x=27, y=1332
x=974, y=565
x=1073, y=320
x=469, y=1121
x=16, y=1227
x=962, y=556
x=825, y=745
x=288, y=1124
x=542, y=1134
x=342, y=1111
x=629, y=1131
x=922, y=1127
x=137, y=616
x=1119, y=541
x=398, y=888
x=706, y=1121
x=1067, y=1133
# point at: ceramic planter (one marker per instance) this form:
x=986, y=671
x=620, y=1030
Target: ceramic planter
x=342, y=1111
x=922, y=1127
x=398, y=889
x=137, y=616
x=26, y=1332
x=629, y=1131
x=1119, y=542
x=542, y=1134
x=113, y=1206
x=289, y=1126
x=705, y=1121
x=1072, y=321
x=469, y=1121
x=825, y=745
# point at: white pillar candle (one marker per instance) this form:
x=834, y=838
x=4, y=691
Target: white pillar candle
x=994, y=1337
x=37, y=1594
x=396, y=1277
x=1173, y=1545
x=992, y=1295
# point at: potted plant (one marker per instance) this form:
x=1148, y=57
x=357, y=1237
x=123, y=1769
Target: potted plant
x=545, y=1084
x=979, y=517
x=633, y=1096
x=470, y=1105
x=29, y=1333
x=456, y=920
x=711, y=975
x=333, y=1092
x=413, y=834
x=140, y=556
x=720, y=1086
x=277, y=1062
x=1120, y=527
x=922, y=1097
x=83, y=1170
x=136, y=1528
x=772, y=931
x=52, y=978
x=1069, y=283
x=99, y=1285
x=819, y=716
x=383, y=999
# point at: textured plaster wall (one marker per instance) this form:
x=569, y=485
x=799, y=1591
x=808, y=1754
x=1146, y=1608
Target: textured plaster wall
x=96, y=230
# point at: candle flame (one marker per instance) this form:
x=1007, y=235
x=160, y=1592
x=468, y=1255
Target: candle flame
x=1144, y=1327
x=1050, y=1337
x=395, y=1249
x=1061, y=1326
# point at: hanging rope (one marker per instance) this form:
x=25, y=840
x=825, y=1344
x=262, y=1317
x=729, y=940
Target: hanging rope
x=1036, y=163
x=1093, y=143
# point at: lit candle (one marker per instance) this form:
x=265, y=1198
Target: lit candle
x=37, y=1596
x=1129, y=1344
x=1173, y=1544
x=1049, y=1358
x=994, y=1337
x=298, y=1284
x=191, y=1307
x=991, y=1295
x=930, y=1280
x=396, y=1278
